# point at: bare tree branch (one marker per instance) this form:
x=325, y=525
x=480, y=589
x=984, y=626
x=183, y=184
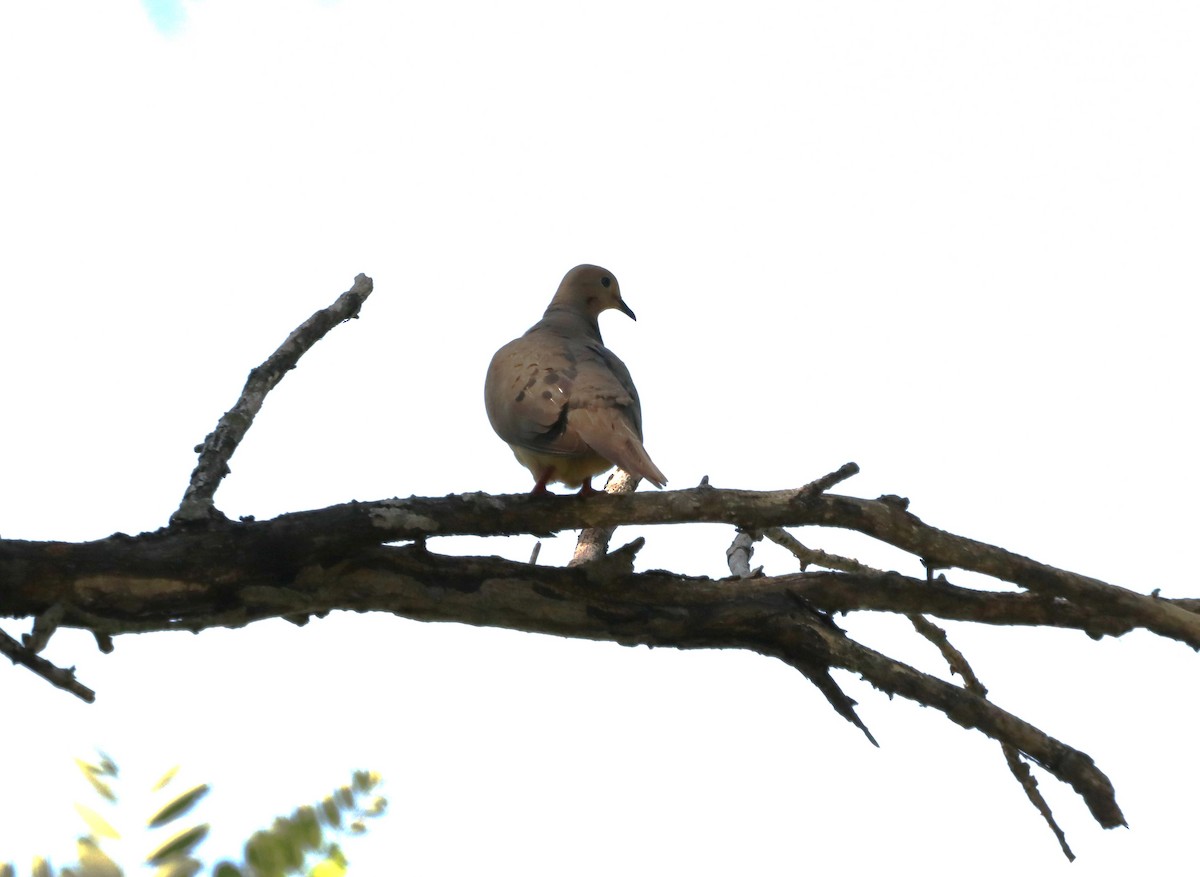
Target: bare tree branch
x=194, y=584
x=206, y=571
x=219, y=445
x=593, y=541
x=1020, y=770
x=56, y=676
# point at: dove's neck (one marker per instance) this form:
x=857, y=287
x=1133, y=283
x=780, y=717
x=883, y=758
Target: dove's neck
x=571, y=321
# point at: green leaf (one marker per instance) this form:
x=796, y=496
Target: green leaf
x=99, y=827
x=345, y=797
x=166, y=778
x=330, y=812
x=41, y=868
x=305, y=828
x=179, y=806
x=263, y=854
x=179, y=845
x=377, y=806
x=225, y=869
x=293, y=852
x=365, y=780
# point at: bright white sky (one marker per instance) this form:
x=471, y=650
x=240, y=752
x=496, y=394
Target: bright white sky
x=954, y=242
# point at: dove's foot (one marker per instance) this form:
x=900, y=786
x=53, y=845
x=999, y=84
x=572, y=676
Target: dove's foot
x=539, y=489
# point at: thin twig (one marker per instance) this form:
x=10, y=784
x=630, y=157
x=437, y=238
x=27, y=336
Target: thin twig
x=954, y=658
x=219, y=445
x=825, y=482
x=814, y=556
x=1020, y=770
x=968, y=709
x=56, y=676
x=1028, y=782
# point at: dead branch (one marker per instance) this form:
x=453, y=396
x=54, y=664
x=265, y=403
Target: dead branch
x=205, y=571
x=219, y=445
x=59, y=677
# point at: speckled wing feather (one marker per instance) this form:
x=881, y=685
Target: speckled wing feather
x=554, y=394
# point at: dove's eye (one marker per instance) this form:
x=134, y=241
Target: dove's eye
x=605, y=282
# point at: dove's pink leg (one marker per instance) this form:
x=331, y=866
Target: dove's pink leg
x=539, y=489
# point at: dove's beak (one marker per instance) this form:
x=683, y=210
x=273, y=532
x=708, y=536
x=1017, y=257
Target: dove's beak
x=624, y=308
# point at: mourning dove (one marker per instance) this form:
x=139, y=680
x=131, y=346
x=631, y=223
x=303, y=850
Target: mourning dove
x=562, y=400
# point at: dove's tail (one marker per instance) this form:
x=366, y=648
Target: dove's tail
x=607, y=432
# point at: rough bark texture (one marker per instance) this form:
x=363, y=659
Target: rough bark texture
x=204, y=570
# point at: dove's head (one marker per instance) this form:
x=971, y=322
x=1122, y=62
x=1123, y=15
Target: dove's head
x=590, y=290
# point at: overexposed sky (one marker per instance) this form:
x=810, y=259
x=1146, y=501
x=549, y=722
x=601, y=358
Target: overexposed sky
x=953, y=242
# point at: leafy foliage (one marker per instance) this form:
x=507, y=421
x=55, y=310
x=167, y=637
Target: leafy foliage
x=304, y=843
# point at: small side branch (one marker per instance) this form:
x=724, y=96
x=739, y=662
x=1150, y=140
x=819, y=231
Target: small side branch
x=219, y=445
x=739, y=554
x=56, y=676
x=593, y=541
x=1020, y=770
x=968, y=709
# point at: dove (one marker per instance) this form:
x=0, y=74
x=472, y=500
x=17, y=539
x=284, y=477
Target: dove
x=563, y=401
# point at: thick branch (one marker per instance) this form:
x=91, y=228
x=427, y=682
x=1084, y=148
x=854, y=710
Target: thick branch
x=597, y=601
x=337, y=529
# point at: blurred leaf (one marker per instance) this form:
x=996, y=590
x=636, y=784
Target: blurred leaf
x=108, y=767
x=179, y=868
x=178, y=845
x=94, y=862
x=99, y=827
x=263, y=854
x=41, y=868
x=328, y=868
x=179, y=806
x=227, y=869
x=306, y=829
x=377, y=806
x=293, y=852
x=91, y=773
x=345, y=797
x=365, y=780
x=166, y=778
x=8, y=871
x=357, y=827
x=331, y=814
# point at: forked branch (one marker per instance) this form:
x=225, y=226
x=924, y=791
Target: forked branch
x=206, y=571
